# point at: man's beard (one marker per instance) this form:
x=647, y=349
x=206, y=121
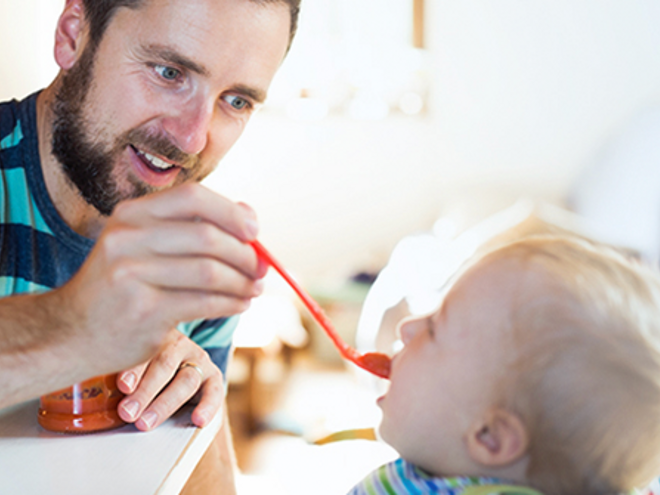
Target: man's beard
x=89, y=164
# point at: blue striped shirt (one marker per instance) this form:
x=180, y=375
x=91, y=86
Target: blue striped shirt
x=402, y=478
x=38, y=250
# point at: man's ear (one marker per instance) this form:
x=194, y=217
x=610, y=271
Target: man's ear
x=497, y=439
x=69, y=35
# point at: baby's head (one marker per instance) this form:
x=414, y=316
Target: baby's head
x=542, y=366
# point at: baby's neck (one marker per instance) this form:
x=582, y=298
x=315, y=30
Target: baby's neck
x=514, y=472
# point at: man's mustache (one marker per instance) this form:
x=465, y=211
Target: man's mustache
x=160, y=146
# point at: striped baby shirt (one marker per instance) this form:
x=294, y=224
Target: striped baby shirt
x=402, y=478
x=38, y=250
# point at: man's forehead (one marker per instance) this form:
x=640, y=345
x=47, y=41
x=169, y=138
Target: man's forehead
x=207, y=11
x=207, y=36
x=191, y=16
x=184, y=15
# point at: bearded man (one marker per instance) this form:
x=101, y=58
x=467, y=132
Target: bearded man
x=113, y=256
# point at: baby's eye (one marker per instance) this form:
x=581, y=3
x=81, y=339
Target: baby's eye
x=167, y=73
x=236, y=102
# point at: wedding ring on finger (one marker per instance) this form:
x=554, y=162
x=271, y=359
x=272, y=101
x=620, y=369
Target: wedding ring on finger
x=195, y=366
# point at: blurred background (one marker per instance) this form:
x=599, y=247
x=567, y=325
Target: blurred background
x=394, y=128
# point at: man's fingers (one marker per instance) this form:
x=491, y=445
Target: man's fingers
x=191, y=274
x=183, y=386
x=176, y=238
x=181, y=370
x=191, y=201
x=210, y=402
x=158, y=373
x=177, y=306
x=128, y=380
x=179, y=238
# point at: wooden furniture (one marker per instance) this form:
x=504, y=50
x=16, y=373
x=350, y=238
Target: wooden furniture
x=268, y=331
x=124, y=460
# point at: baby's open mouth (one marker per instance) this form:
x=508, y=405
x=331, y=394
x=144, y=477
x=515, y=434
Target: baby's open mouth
x=153, y=162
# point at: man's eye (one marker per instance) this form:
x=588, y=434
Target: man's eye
x=236, y=101
x=168, y=73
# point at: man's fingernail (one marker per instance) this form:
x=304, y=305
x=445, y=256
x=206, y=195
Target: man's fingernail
x=131, y=407
x=262, y=267
x=149, y=419
x=258, y=287
x=252, y=228
x=202, y=418
x=129, y=380
x=250, y=219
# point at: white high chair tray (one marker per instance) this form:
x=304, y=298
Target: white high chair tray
x=34, y=461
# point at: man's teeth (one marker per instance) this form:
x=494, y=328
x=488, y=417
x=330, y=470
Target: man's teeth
x=157, y=162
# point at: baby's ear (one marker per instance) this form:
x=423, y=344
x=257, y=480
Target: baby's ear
x=497, y=439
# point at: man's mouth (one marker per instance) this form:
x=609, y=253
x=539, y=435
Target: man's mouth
x=153, y=162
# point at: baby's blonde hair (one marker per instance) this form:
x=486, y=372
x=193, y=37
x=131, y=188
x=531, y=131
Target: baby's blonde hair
x=586, y=376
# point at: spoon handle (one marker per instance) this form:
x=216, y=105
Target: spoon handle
x=313, y=307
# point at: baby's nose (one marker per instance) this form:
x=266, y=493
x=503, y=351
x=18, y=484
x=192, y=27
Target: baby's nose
x=410, y=327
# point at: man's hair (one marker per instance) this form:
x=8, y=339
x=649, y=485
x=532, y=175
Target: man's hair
x=99, y=13
x=586, y=376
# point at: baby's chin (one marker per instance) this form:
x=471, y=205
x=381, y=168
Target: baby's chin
x=383, y=432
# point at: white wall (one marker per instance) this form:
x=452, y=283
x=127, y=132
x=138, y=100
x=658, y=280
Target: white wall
x=523, y=94
x=529, y=88
x=27, y=31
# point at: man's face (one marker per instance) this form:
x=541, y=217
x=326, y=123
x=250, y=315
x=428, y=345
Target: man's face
x=444, y=378
x=165, y=95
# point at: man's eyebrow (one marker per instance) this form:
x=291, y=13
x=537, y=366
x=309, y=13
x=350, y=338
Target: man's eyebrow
x=168, y=55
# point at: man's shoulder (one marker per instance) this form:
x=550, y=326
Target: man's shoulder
x=8, y=106
x=8, y=121
x=17, y=119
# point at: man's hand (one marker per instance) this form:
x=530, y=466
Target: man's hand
x=172, y=256
x=157, y=389
x=162, y=259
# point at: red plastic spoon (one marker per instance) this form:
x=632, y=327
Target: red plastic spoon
x=374, y=362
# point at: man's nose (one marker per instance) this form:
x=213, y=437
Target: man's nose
x=190, y=127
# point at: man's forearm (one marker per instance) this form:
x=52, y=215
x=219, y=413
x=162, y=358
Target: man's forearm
x=37, y=355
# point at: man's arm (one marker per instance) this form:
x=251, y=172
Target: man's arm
x=40, y=351
x=168, y=257
x=216, y=471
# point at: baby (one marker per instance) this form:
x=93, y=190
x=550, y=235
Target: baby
x=540, y=373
